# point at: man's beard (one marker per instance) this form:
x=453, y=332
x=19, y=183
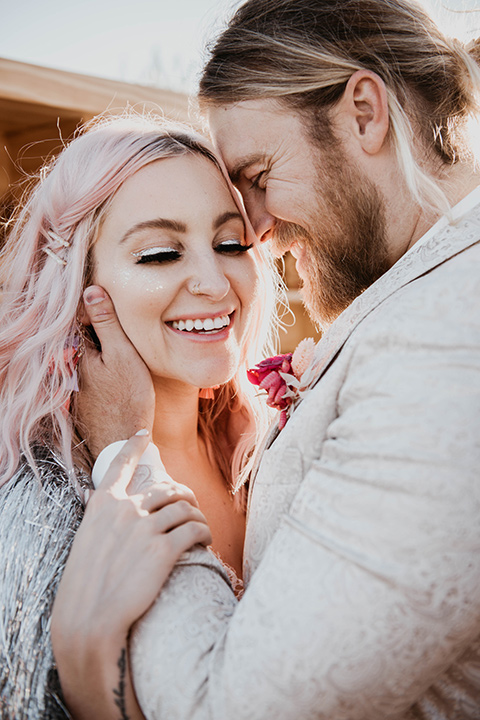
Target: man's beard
x=346, y=246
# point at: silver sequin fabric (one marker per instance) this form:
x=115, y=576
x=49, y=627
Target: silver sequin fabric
x=38, y=520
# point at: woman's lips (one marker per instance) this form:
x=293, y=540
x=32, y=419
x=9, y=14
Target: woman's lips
x=217, y=327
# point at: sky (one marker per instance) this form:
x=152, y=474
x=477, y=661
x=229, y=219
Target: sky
x=151, y=42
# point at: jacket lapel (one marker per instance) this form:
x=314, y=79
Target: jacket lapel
x=423, y=257
x=431, y=251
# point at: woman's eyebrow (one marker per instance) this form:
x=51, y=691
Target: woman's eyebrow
x=157, y=224
x=225, y=217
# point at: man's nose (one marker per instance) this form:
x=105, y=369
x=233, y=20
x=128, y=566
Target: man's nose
x=262, y=222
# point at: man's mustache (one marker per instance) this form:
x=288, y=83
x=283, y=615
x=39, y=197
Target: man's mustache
x=285, y=233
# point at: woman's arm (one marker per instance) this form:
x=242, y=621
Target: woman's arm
x=122, y=554
x=38, y=519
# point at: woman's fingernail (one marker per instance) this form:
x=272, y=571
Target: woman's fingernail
x=93, y=295
x=142, y=432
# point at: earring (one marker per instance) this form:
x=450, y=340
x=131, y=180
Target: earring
x=72, y=355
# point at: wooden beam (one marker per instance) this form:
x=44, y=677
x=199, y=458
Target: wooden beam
x=82, y=94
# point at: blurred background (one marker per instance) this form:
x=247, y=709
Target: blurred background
x=150, y=42
x=62, y=62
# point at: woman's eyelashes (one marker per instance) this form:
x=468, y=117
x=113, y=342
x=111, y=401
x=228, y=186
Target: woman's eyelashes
x=156, y=255
x=232, y=247
x=161, y=255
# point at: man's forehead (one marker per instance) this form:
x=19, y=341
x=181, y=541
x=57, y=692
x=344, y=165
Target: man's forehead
x=242, y=126
x=252, y=131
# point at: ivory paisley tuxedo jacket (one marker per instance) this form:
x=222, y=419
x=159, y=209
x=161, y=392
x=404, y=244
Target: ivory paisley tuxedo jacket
x=362, y=556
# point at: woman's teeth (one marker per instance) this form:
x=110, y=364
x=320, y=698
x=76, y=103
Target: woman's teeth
x=206, y=325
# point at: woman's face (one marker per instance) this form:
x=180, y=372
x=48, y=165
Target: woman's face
x=172, y=255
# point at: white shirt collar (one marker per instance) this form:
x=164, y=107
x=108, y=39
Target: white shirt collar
x=457, y=212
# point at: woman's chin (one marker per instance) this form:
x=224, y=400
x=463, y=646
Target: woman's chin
x=195, y=381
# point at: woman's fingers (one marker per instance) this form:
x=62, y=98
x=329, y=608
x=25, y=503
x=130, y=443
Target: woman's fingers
x=185, y=536
x=122, y=467
x=177, y=513
x=164, y=493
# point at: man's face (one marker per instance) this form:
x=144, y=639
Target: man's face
x=307, y=199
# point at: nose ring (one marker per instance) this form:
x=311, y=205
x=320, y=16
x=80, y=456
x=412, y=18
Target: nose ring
x=196, y=289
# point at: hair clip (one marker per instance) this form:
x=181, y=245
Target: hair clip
x=61, y=243
x=54, y=256
x=56, y=238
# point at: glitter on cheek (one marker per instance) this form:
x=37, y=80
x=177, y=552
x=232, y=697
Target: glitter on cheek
x=130, y=280
x=153, y=287
x=123, y=278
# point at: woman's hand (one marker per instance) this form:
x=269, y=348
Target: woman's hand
x=121, y=556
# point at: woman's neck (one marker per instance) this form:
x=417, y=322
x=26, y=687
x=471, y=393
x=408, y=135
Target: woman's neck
x=186, y=459
x=175, y=425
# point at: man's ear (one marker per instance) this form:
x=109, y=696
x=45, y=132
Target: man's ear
x=363, y=110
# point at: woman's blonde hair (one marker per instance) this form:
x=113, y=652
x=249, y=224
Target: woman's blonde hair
x=303, y=53
x=42, y=283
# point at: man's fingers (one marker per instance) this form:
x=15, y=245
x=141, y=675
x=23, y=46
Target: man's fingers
x=103, y=317
x=123, y=466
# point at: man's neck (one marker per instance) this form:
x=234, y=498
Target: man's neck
x=456, y=184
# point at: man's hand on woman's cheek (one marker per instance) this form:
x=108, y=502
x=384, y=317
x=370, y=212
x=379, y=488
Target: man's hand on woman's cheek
x=116, y=395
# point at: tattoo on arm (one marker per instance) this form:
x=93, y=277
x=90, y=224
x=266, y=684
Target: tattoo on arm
x=119, y=692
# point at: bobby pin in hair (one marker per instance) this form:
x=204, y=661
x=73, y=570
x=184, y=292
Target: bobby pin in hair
x=51, y=235
x=56, y=238
x=54, y=256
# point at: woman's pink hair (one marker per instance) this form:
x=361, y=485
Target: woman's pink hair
x=41, y=296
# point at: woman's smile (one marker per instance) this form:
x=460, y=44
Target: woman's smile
x=197, y=326
x=173, y=247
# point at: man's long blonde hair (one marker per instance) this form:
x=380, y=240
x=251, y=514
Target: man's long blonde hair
x=303, y=52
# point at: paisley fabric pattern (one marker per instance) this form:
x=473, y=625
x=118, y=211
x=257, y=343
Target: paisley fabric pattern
x=362, y=556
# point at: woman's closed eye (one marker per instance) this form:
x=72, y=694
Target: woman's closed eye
x=232, y=247
x=156, y=255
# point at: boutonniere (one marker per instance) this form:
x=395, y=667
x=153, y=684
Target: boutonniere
x=286, y=378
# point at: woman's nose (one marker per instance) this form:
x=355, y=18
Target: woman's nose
x=209, y=280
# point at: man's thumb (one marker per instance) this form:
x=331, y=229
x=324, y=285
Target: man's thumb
x=103, y=317
x=99, y=308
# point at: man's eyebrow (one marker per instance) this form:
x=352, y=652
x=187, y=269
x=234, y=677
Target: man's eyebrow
x=225, y=217
x=242, y=164
x=157, y=224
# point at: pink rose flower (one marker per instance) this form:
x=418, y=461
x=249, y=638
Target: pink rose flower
x=281, y=377
x=267, y=376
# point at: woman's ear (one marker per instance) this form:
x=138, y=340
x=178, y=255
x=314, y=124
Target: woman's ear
x=82, y=315
x=363, y=111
